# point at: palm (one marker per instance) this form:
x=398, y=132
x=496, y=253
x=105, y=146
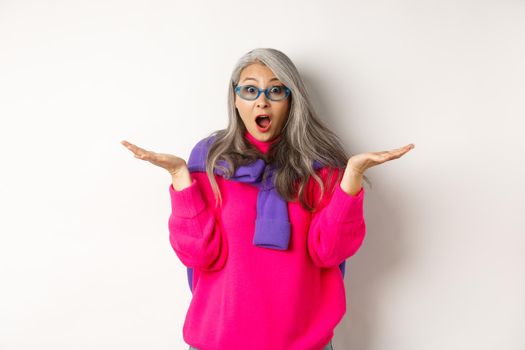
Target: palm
x=167, y=161
x=361, y=162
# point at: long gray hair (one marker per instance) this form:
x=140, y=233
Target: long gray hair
x=304, y=139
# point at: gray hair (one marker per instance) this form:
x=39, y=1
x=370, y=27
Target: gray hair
x=304, y=139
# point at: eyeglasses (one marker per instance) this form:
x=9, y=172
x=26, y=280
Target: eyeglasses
x=273, y=93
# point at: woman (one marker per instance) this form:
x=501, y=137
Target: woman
x=264, y=215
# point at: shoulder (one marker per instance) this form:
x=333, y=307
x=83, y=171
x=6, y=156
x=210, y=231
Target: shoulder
x=204, y=143
x=199, y=152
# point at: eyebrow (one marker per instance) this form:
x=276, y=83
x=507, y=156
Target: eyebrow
x=251, y=78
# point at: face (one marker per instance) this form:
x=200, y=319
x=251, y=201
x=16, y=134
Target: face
x=262, y=77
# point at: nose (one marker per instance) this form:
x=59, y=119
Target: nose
x=261, y=101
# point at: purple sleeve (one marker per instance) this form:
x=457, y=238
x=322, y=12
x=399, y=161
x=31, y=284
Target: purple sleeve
x=194, y=231
x=337, y=229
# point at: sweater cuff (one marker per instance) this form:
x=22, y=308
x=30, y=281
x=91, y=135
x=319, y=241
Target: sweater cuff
x=346, y=207
x=188, y=202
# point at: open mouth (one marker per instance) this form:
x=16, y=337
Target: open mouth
x=263, y=122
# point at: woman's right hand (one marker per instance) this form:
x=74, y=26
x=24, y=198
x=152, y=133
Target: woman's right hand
x=173, y=164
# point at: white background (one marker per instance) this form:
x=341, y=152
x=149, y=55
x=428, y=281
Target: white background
x=84, y=252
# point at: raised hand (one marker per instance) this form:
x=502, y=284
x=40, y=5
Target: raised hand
x=361, y=162
x=173, y=164
x=358, y=164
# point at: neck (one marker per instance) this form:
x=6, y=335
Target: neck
x=263, y=146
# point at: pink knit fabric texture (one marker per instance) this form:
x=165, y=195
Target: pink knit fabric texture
x=249, y=297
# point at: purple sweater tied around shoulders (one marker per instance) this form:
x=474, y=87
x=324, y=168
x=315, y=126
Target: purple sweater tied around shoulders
x=272, y=226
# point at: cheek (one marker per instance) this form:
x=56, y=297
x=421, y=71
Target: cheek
x=240, y=103
x=238, y=106
x=283, y=111
x=243, y=111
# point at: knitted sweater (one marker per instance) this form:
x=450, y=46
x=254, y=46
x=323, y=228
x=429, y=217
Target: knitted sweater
x=249, y=297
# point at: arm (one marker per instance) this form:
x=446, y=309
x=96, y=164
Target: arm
x=194, y=231
x=337, y=228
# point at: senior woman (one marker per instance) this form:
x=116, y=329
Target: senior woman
x=265, y=214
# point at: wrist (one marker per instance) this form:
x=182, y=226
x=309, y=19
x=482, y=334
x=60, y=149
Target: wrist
x=354, y=173
x=181, y=172
x=351, y=181
x=181, y=179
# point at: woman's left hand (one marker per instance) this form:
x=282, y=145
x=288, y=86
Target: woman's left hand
x=358, y=164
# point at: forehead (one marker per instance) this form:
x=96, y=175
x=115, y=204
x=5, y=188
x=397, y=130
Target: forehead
x=258, y=71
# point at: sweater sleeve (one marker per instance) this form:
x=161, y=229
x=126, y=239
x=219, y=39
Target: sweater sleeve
x=194, y=230
x=337, y=227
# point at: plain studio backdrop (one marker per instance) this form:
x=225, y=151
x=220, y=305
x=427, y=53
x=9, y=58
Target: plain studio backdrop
x=85, y=257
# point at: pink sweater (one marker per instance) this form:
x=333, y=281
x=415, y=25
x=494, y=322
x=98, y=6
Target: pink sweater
x=249, y=297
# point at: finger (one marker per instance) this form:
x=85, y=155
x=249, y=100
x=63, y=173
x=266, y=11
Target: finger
x=128, y=145
x=136, y=149
x=143, y=156
x=398, y=152
x=406, y=148
x=384, y=156
x=400, y=149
